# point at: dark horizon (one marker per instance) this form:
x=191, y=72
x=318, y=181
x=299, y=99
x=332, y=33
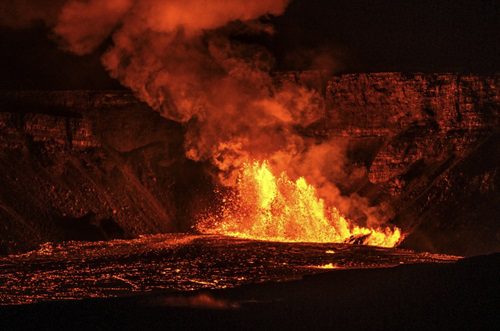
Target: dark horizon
x=349, y=36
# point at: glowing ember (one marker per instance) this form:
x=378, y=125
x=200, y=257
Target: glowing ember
x=266, y=207
x=326, y=266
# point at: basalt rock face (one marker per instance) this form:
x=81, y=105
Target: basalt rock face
x=79, y=165
x=427, y=116
x=435, y=154
x=83, y=165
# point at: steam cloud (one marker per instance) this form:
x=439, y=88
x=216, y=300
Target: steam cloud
x=187, y=59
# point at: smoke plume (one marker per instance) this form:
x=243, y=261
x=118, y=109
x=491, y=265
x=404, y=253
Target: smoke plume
x=183, y=58
x=194, y=62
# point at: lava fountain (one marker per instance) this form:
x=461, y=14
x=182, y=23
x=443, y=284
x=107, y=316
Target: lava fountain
x=275, y=208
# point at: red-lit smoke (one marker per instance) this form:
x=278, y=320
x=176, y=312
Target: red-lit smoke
x=191, y=61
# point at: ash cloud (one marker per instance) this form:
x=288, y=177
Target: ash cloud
x=183, y=58
x=83, y=25
x=192, y=61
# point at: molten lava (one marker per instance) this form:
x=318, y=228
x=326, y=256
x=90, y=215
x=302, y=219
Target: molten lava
x=266, y=207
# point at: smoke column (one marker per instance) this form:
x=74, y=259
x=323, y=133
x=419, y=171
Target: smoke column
x=191, y=60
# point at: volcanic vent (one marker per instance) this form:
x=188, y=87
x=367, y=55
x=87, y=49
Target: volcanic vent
x=267, y=207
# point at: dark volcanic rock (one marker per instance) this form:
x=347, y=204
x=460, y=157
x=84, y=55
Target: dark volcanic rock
x=388, y=103
x=102, y=166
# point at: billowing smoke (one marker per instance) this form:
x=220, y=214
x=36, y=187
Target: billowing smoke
x=184, y=59
x=196, y=62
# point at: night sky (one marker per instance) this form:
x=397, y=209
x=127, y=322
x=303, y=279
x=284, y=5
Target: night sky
x=347, y=35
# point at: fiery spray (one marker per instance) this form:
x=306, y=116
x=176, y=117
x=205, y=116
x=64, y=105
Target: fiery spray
x=266, y=207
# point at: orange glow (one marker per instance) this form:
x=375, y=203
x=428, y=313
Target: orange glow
x=326, y=266
x=266, y=207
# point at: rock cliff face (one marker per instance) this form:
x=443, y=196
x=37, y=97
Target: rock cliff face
x=96, y=165
x=83, y=165
x=426, y=116
x=436, y=151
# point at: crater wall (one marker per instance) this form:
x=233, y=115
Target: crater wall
x=93, y=165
